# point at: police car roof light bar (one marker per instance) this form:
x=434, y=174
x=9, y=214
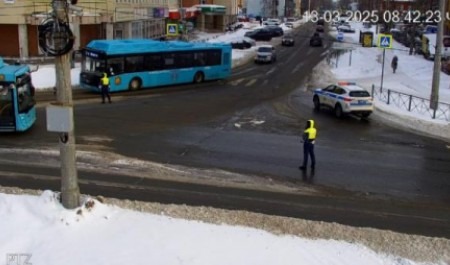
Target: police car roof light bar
x=345, y=83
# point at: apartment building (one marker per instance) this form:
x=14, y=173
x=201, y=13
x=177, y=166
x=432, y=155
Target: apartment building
x=100, y=19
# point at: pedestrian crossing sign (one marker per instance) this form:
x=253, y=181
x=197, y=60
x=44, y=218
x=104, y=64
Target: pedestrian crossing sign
x=385, y=41
x=172, y=30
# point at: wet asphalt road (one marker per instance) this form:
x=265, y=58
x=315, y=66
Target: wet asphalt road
x=218, y=125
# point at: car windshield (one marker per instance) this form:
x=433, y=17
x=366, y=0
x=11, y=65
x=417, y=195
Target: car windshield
x=265, y=49
x=359, y=94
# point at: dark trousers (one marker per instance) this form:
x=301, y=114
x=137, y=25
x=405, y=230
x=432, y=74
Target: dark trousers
x=394, y=67
x=308, y=150
x=105, y=94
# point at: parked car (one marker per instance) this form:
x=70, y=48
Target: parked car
x=288, y=40
x=276, y=31
x=290, y=19
x=265, y=54
x=289, y=25
x=346, y=28
x=262, y=34
x=244, y=43
x=272, y=22
x=316, y=40
x=344, y=98
x=445, y=66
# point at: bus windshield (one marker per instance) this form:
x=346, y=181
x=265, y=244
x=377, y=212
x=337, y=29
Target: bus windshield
x=25, y=97
x=94, y=65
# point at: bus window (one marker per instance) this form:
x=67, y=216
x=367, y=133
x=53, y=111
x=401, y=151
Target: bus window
x=169, y=61
x=153, y=62
x=199, y=58
x=184, y=60
x=213, y=57
x=134, y=63
x=94, y=65
x=115, y=66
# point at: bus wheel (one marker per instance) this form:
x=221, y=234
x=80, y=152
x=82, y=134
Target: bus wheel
x=198, y=77
x=135, y=84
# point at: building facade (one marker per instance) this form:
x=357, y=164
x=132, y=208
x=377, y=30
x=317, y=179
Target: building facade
x=273, y=8
x=100, y=19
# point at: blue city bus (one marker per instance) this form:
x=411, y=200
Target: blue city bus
x=17, y=104
x=134, y=64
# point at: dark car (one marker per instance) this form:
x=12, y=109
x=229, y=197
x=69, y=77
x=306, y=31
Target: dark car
x=244, y=43
x=288, y=40
x=259, y=34
x=320, y=29
x=276, y=31
x=316, y=40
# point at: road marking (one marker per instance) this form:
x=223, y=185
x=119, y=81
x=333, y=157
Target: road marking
x=271, y=71
x=243, y=71
x=297, y=67
x=236, y=82
x=251, y=82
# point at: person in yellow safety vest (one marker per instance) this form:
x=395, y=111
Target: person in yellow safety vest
x=104, y=83
x=309, y=139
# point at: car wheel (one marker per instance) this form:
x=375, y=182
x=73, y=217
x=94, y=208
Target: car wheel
x=338, y=111
x=366, y=114
x=316, y=101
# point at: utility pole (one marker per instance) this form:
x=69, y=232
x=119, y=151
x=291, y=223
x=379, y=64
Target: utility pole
x=70, y=192
x=434, y=98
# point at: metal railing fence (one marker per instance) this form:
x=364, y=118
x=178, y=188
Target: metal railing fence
x=411, y=103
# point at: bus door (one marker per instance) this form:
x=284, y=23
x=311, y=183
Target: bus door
x=7, y=113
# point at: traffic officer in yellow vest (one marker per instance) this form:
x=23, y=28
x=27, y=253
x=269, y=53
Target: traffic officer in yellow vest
x=104, y=86
x=309, y=139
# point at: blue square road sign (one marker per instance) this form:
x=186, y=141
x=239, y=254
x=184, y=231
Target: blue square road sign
x=385, y=41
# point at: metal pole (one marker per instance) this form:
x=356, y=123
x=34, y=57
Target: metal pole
x=70, y=192
x=382, y=70
x=434, y=98
x=350, y=59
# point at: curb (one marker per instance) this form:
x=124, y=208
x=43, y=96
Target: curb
x=420, y=126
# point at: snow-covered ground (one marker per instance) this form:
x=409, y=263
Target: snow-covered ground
x=38, y=227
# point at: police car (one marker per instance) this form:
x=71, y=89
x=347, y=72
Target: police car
x=344, y=98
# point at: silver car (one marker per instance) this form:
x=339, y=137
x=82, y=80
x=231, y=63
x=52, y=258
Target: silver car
x=265, y=54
